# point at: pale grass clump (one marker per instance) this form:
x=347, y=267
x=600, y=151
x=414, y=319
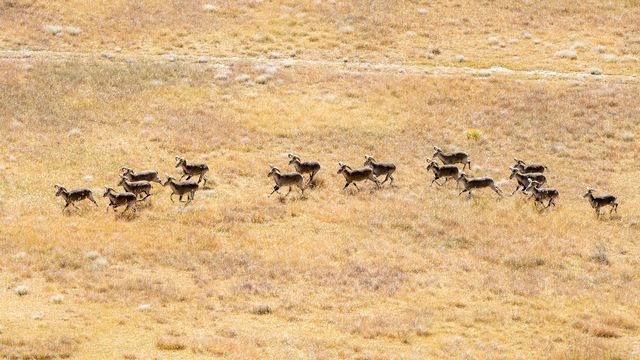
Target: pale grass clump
x=75, y=132
x=209, y=7
x=144, y=307
x=57, y=299
x=52, y=29
x=73, y=30
x=92, y=255
x=21, y=290
x=567, y=54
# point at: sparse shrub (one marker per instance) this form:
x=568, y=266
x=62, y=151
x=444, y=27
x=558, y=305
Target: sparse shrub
x=262, y=79
x=261, y=309
x=222, y=75
x=594, y=71
x=628, y=58
x=19, y=255
x=595, y=328
x=474, y=134
x=516, y=262
x=170, y=343
x=92, y=255
x=75, y=132
x=209, y=8
x=627, y=136
x=100, y=263
x=73, y=31
x=22, y=290
x=52, y=29
x=51, y=348
x=577, y=45
x=107, y=55
x=600, y=256
x=243, y=78
x=567, y=54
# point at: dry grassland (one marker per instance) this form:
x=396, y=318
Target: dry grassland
x=513, y=34
x=406, y=272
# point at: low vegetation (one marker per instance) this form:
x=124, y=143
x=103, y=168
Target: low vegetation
x=411, y=269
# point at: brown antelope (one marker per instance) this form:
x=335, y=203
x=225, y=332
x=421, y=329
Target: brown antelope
x=541, y=194
x=136, y=187
x=527, y=169
x=147, y=175
x=380, y=168
x=285, y=179
x=353, y=176
x=523, y=179
x=73, y=196
x=477, y=183
x=181, y=188
x=601, y=200
x=304, y=167
x=190, y=170
x=442, y=171
x=120, y=199
x=459, y=157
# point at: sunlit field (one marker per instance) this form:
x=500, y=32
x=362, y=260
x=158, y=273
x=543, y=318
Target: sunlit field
x=410, y=271
x=566, y=35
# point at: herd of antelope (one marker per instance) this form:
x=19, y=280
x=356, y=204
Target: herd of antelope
x=529, y=180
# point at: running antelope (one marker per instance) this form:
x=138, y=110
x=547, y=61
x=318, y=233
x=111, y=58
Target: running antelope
x=285, y=179
x=442, y=171
x=601, y=200
x=541, y=194
x=304, y=167
x=458, y=157
x=73, y=196
x=190, y=170
x=120, y=199
x=523, y=179
x=357, y=175
x=147, y=175
x=477, y=183
x=136, y=187
x=181, y=188
x=527, y=169
x=380, y=168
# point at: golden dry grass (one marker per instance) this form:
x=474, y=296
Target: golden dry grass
x=406, y=272
x=378, y=31
x=413, y=271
